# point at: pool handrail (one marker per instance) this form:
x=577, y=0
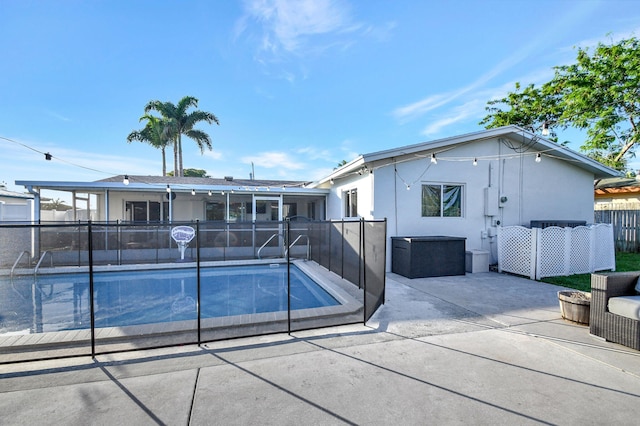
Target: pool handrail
x=267, y=242
x=295, y=241
x=44, y=253
x=18, y=260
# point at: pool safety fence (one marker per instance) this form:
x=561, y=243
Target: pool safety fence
x=54, y=301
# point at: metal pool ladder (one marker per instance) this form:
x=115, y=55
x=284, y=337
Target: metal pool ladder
x=294, y=243
x=18, y=260
x=290, y=246
x=44, y=253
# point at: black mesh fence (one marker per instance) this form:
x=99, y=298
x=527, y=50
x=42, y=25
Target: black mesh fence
x=91, y=288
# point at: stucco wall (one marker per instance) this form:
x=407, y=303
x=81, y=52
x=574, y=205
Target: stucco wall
x=546, y=190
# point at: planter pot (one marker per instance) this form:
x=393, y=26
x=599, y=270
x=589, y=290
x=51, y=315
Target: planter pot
x=575, y=306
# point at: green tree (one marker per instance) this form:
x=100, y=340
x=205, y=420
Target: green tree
x=182, y=122
x=193, y=173
x=340, y=164
x=55, y=204
x=157, y=133
x=599, y=93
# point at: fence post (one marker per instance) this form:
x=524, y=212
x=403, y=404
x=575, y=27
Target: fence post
x=568, y=234
x=91, y=291
x=198, y=280
x=287, y=239
x=363, y=269
x=533, y=259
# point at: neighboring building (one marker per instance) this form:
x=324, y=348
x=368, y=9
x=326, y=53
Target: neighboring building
x=15, y=206
x=617, y=194
x=467, y=185
x=463, y=186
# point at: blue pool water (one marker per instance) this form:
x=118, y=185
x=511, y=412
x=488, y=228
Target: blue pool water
x=61, y=302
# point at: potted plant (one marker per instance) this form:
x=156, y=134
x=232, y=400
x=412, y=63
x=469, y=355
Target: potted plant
x=575, y=305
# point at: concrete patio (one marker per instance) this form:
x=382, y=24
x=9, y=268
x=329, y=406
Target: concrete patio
x=483, y=348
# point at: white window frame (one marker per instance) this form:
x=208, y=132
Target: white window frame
x=442, y=185
x=349, y=208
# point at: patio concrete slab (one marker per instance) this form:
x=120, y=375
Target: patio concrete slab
x=482, y=348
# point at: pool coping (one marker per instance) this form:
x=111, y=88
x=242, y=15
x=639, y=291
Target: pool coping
x=350, y=310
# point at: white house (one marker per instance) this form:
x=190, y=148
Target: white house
x=466, y=186
x=462, y=186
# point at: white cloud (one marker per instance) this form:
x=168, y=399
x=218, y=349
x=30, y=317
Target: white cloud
x=270, y=160
x=286, y=24
x=469, y=109
x=215, y=155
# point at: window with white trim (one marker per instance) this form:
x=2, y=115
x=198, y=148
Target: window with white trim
x=440, y=200
x=351, y=203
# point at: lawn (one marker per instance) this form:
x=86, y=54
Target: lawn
x=624, y=262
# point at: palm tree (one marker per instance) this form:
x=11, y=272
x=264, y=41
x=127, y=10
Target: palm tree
x=157, y=133
x=183, y=123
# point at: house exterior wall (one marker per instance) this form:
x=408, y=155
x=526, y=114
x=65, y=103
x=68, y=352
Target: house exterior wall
x=622, y=200
x=336, y=200
x=551, y=189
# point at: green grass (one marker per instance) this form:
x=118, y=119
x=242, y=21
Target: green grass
x=624, y=262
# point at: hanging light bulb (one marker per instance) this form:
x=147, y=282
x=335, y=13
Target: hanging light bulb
x=168, y=189
x=125, y=180
x=222, y=192
x=193, y=192
x=433, y=158
x=545, y=129
x=538, y=157
x=209, y=193
x=475, y=161
x=408, y=187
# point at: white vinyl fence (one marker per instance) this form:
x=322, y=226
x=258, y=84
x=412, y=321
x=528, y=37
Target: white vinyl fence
x=554, y=251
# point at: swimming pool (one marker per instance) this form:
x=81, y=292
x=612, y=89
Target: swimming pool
x=61, y=301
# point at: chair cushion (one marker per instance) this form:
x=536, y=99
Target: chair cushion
x=626, y=306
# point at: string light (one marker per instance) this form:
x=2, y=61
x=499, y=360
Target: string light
x=193, y=192
x=209, y=193
x=125, y=180
x=475, y=161
x=545, y=129
x=538, y=157
x=433, y=158
x=168, y=189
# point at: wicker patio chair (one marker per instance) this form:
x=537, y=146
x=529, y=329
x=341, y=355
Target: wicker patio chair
x=602, y=323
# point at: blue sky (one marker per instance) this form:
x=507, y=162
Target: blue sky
x=297, y=86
